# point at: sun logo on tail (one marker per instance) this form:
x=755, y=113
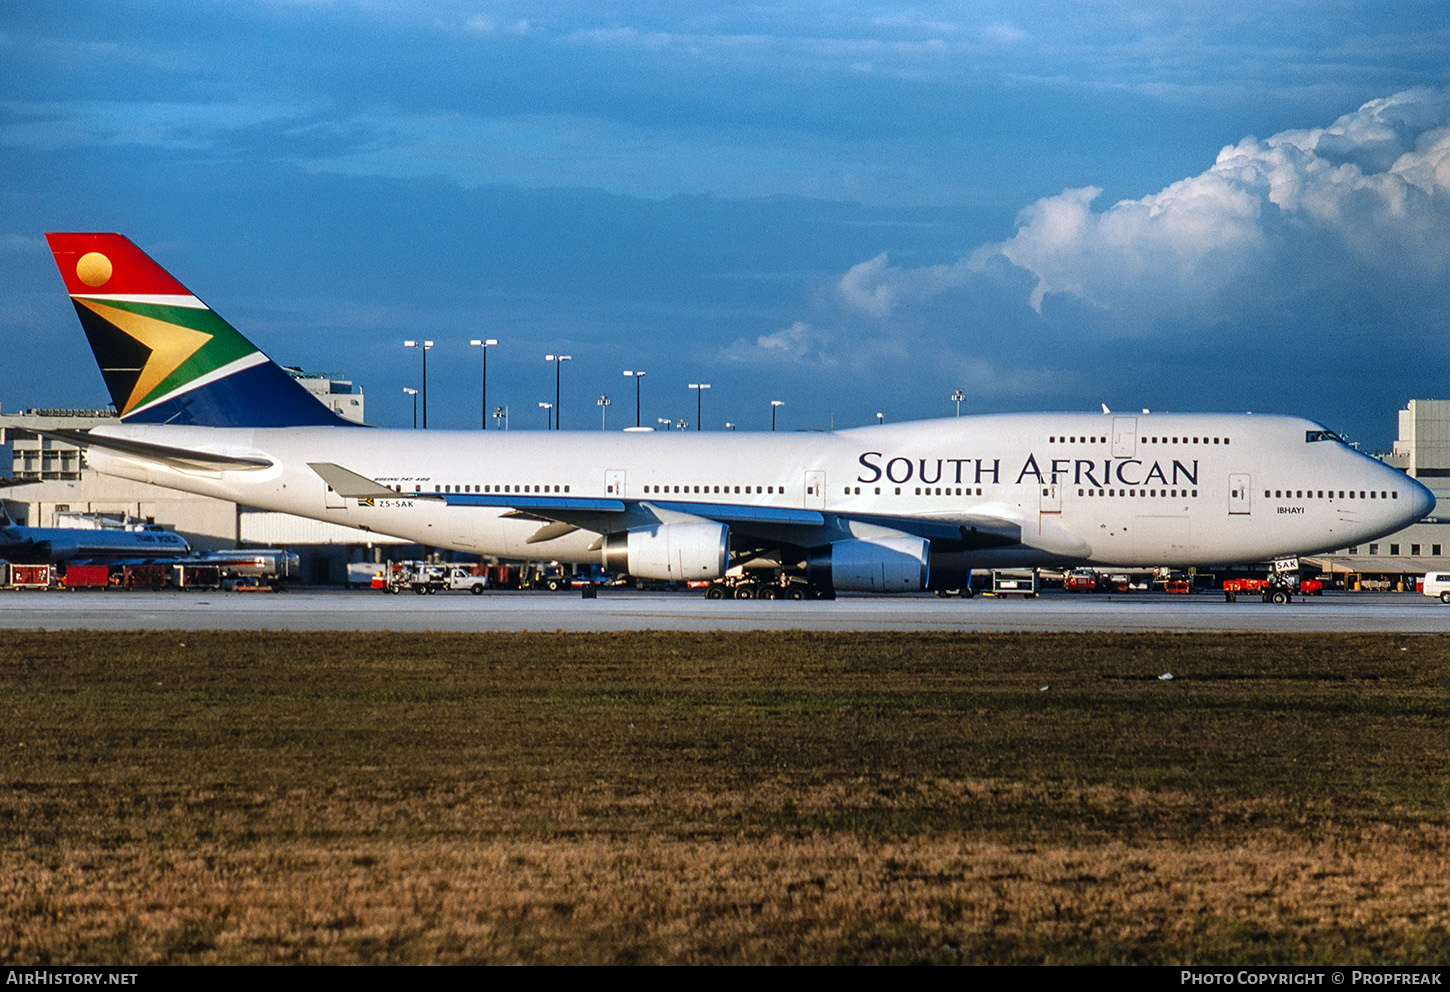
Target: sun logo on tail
x=94, y=269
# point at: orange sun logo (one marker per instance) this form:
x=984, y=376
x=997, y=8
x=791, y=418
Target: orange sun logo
x=94, y=269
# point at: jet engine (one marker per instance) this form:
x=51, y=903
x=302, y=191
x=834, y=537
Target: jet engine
x=672, y=551
x=877, y=564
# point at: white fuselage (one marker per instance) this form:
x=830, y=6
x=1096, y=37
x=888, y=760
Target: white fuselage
x=1156, y=489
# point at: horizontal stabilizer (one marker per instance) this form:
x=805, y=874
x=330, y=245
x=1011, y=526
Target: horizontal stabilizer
x=349, y=485
x=182, y=458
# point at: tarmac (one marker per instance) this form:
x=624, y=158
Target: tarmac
x=624, y=610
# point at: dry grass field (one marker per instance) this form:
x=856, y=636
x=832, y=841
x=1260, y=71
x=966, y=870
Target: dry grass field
x=673, y=798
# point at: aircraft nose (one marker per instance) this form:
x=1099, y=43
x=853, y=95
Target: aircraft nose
x=1422, y=502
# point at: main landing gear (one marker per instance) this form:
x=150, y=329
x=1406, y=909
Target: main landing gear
x=746, y=588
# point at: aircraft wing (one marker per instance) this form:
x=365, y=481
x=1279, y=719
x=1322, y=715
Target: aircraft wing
x=560, y=515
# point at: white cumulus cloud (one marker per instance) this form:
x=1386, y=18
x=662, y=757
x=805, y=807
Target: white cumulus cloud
x=1368, y=195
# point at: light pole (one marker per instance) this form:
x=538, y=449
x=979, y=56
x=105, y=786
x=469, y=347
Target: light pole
x=682, y=424
x=558, y=361
x=501, y=414
x=729, y=426
x=485, y=344
x=548, y=409
x=957, y=397
x=775, y=405
x=636, y=376
x=603, y=402
x=424, y=346
x=699, y=388
x=880, y=419
x=413, y=393
x=666, y=421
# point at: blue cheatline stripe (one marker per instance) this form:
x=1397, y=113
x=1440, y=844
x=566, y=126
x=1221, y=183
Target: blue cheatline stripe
x=729, y=512
x=523, y=501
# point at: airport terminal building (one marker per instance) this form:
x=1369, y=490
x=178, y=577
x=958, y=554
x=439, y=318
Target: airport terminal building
x=1422, y=450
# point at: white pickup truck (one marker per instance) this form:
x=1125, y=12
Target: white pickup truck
x=1437, y=584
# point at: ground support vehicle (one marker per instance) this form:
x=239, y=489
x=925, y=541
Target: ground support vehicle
x=1274, y=590
x=965, y=590
x=419, y=576
x=1080, y=580
x=550, y=577
x=1436, y=584
x=473, y=578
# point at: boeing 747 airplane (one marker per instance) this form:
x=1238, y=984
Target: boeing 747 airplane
x=896, y=508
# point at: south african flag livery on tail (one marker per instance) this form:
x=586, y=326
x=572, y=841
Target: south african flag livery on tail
x=167, y=357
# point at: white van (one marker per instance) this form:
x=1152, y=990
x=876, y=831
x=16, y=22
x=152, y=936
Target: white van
x=1437, y=584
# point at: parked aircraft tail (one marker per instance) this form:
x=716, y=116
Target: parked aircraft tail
x=167, y=357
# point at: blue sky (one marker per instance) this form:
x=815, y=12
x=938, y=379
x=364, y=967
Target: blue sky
x=849, y=207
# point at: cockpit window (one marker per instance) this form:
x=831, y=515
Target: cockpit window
x=1312, y=436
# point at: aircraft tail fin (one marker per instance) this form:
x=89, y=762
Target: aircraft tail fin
x=168, y=358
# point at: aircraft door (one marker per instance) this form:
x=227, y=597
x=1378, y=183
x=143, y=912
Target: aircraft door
x=614, y=483
x=1239, y=498
x=1051, y=498
x=815, y=490
x=1125, y=437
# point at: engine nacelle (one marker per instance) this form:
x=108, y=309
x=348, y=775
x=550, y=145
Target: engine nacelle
x=692, y=549
x=878, y=564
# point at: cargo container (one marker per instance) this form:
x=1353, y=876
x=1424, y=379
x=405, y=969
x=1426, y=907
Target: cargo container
x=31, y=576
x=1015, y=583
x=143, y=576
x=86, y=577
x=198, y=576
